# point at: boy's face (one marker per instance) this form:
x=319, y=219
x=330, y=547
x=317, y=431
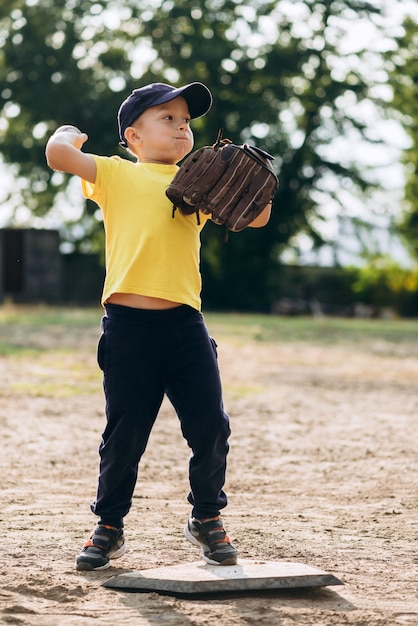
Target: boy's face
x=162, y=134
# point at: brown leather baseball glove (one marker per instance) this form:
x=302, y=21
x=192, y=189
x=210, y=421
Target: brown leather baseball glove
x=231, y=183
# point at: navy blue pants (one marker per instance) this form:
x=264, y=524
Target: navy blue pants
x=143, y=355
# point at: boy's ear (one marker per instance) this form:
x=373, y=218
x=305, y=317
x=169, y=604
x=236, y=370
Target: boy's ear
x=131, y=135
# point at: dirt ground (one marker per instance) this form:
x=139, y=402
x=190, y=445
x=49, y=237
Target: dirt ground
x=323, y=470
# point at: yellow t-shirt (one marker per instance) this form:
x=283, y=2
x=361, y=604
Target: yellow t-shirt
x=148, y=252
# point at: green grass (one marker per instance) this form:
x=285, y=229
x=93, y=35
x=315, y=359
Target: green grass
x=50, y=351
x=49, y=316
x=319, y=331
x=31, y=330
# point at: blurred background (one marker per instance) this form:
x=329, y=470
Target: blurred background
x=328, y=87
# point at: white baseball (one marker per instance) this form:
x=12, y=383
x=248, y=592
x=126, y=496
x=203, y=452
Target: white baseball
x=69, y=129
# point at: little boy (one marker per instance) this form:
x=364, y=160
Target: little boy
x=154, y=340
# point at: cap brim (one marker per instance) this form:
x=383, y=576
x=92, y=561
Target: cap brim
x=197, y=96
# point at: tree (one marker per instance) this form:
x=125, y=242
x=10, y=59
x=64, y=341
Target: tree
x=404, y=79
x=54, y=71
x=278, y=80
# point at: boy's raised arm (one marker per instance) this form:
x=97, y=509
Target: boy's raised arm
x=63, y=153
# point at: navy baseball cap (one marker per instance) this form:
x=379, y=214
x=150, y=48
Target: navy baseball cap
x=197, y=96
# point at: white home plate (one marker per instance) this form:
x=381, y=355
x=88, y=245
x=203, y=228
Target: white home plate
x=202, y=578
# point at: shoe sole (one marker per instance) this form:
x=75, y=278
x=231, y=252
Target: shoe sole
x=85, y=566
x=190, y=537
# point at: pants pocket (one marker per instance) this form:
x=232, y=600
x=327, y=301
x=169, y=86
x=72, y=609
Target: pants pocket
x=214, y=346
x=101, y=352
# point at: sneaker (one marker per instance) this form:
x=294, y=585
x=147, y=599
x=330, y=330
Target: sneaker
x=104, y=544
x=210, y=535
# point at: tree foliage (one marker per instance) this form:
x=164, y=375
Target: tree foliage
x=383, y=283
x=404, y=78
x=277, y=75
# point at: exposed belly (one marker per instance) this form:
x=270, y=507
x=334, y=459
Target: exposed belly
x=141, y=302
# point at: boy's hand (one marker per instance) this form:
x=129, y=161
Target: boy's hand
x=75, y=136
x=64, y=154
